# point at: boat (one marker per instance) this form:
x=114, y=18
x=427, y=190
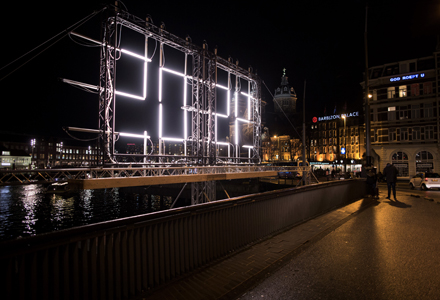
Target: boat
x=57, y=188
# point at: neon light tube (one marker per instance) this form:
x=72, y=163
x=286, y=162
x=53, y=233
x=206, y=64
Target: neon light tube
x=236, y=103
x=249, y=100
x=145, y=79
x=223, y=143
x=172, y=139
x=229, y=95
x=160, y=120
x=243, y=120
x=185, y=115
x=129, y=95
x=220, y=115
x=160, y=84
x=247, y=146
x=135, y=55
x=247, y=95
x=141, y=136
x=229, y=101
x=222, y=87
x=236, y=131
x=143, y=58
x=173, y=72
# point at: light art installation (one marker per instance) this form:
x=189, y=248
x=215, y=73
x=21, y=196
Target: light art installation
x=199, y=134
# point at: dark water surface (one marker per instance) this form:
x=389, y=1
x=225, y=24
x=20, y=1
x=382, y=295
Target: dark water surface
x=28, y=210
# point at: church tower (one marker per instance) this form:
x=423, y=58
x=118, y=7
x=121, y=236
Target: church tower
x=285, y=97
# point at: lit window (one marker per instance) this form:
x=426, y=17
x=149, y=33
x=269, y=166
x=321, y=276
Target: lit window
x=402, y=91
x=391, y=92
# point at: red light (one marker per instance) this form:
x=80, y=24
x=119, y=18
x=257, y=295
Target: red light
x=315, y=119
x=426, y=179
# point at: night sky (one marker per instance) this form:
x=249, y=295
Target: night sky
x=317, y=41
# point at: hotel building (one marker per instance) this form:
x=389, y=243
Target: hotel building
x=404, y=107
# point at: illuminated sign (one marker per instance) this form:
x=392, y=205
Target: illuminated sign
x=342, y=151
x=408, y=77
x=335, y=117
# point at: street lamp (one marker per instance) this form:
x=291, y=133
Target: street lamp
x=345, y=143
x=89, y=152
x=33, y=148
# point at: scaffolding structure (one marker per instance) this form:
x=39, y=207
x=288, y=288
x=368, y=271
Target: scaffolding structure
x=200, y=76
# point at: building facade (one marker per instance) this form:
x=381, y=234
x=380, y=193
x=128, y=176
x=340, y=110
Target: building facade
x=14, y=159
x=279, y=149
x=285, y=97
x=404, y=119
x=52, y=152
x=337, y=142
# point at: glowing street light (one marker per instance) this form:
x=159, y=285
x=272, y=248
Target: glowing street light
x=345, y=143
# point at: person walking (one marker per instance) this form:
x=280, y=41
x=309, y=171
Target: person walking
x=390, y=173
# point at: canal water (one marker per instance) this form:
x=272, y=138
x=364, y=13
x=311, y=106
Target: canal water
x=27, y=210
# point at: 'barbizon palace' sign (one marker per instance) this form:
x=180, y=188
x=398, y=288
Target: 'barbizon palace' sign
x=335, y=117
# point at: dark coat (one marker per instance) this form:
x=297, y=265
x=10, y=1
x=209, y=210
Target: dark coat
x=371, y=178
x=390, y=173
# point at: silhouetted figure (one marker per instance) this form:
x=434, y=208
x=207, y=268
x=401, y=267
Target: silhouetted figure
x=390, y=173
x=380, y=177
x=372, y=183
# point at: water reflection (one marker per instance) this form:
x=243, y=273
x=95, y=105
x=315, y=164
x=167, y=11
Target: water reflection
x=28, y=210
x=29, y=202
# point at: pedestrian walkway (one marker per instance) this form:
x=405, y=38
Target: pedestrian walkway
x=388, y=251
x=231, y=277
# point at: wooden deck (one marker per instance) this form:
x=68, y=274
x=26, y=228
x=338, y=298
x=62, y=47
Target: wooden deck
x=103, y=183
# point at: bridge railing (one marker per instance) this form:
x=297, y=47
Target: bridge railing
x=51, y=175
x=126, y=258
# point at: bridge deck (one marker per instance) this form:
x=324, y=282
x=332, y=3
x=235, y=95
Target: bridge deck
x=99, y=178
x=101, y=183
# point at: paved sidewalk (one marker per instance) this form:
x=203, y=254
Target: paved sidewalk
x=390, y=251
x=233, y=276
